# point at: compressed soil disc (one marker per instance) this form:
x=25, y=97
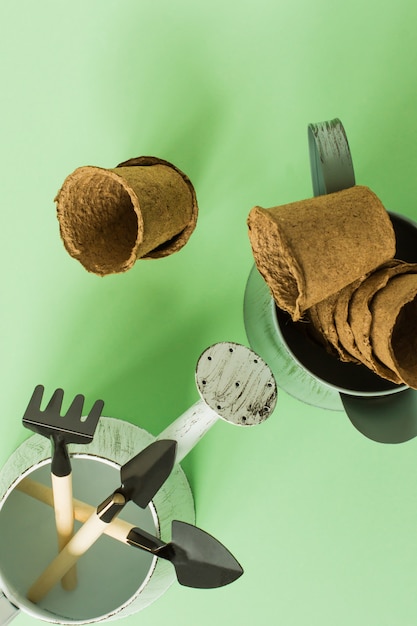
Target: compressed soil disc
x=328, y=317
x=360, y=316
x=322, y=318
x=393, y=331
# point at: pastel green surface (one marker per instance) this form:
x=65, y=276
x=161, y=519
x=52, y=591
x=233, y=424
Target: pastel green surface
x=322, y=520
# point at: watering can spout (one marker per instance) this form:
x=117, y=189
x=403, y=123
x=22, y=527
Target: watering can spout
x=235, y=385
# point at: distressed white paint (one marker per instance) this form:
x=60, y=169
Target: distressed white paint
x=235, y=385
x=7, y=610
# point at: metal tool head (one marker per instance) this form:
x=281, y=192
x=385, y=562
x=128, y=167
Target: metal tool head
x=143, y=475
x=236, y=383
x=200, y=560
x=71, y=428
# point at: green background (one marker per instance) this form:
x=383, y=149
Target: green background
x=322, y=519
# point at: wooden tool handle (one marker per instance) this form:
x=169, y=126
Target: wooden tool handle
x=75, y=548
x=118, y=529
x=64, y=521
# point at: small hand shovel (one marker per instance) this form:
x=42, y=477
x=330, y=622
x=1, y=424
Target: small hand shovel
x=62, y=430
x=200, y=560
x=141, y=478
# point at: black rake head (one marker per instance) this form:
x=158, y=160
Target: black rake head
x=69, y=427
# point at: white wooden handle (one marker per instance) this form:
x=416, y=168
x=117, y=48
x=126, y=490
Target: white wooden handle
x=75, y=548
x=64, y=521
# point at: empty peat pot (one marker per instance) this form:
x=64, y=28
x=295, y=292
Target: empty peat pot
x=301, y=366
x=108, y=218
x=114, y=580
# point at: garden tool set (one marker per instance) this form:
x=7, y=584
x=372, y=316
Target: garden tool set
x=234, y=385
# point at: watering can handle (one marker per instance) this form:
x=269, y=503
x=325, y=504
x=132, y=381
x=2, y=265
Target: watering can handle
x=330, y=159
x=8, y=611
